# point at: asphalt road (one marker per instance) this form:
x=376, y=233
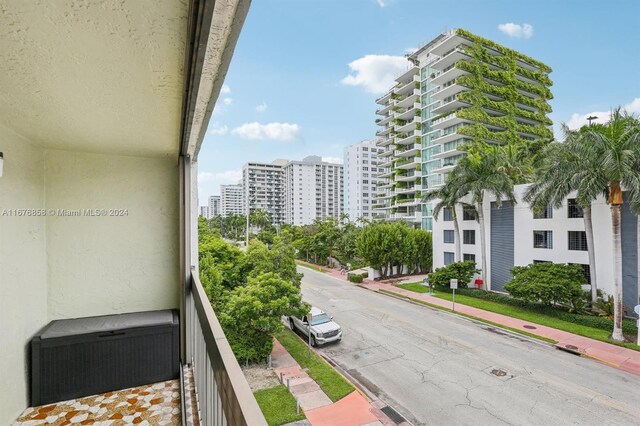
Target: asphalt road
x=436, y=368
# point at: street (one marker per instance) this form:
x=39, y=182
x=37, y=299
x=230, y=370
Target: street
x=436, y=368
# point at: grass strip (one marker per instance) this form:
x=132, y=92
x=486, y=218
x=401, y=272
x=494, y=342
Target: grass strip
x=278, y=405
x=515, y=330
x=330, y=381
x=525, y=315
x=315, y=268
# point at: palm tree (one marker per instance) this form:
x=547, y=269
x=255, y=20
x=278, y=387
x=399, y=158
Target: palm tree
x=615, y=149
x=560, y=172
x=446, y=197
x=260, y=218
x=478, y=174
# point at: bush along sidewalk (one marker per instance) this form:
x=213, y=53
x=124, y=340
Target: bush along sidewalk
x=598, y=328
x=357, y=278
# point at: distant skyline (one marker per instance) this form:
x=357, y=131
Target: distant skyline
x=305, y=75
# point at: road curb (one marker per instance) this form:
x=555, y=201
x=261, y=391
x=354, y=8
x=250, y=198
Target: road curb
x=469, y=318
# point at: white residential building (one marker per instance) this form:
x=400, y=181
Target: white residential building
x=360, y=180
x=231, y=200
x=313, y=190
x=214, y=206
x=263, y=187
x=516, y=237
x=439, y=104
x=204, y=212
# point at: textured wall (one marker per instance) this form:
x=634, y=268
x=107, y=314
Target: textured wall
x=104, y=265
x=23, y=286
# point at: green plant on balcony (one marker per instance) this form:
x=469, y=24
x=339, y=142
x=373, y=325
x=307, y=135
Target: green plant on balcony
x=400, y=185
x=418, y=167
x=395, y=96
x=418, y=181
x=399, y=122
x=378, y=120
x=418, y=125
x=418, y=112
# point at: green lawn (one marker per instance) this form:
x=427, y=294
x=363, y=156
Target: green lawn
x=315, y=268
x=523, y=314
x=329, y=380
x=278, y=405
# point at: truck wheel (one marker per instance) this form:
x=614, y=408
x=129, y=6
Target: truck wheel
x=291, y=325
x=313, y=341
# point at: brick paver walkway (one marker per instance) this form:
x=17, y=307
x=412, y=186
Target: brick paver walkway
x=352, y=410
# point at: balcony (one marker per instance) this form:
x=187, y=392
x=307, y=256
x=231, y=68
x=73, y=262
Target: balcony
x=104, y=149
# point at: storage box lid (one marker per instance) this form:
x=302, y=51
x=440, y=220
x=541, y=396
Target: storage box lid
x=75, y=326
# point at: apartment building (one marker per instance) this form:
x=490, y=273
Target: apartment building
x=263, y=187
x=232, y=200
x=462, y=88
x=360, y=180
x=399, y=186
x=313, y=190
x=515, y=236
x=214, y=206
x=204, y=212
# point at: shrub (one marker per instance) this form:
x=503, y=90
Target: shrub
x=603, y=323
x=357, y=278
x=462, y=271
x=547, y=283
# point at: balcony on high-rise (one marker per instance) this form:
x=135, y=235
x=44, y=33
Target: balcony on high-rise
x=103, y=110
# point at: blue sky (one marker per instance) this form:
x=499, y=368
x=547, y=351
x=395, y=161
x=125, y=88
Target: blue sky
x=288, y=93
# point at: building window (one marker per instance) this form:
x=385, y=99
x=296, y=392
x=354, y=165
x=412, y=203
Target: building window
x=545, y=214
x=449, y=258
x=535, y=262
x=468, y=213
x=468, y=236
x=469, y=256
x=543, y=239
x=447, y=214
x=586, y=271
x=578, y=240
x=449, y=237
x=575, y=211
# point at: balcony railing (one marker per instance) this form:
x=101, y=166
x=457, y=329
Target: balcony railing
x=222, y=392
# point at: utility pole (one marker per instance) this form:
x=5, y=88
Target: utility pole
x=590, y=118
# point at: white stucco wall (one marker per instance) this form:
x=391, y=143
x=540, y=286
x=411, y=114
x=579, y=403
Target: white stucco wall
x=23, y=285
x=106, y=265
x=524, y=225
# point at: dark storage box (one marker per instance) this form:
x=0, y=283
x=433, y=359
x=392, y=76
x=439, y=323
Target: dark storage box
x=84, y=356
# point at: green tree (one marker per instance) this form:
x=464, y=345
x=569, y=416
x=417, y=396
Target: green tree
x=615, y=148
x=252, y=314
x=260, y=218
x=477, y=174
x=462, y=271
x=547, y=283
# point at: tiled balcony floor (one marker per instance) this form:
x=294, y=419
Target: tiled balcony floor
x=154, y=404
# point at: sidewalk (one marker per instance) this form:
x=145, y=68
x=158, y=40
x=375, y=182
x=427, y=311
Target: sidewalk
x=616, y=356
x=352, y=410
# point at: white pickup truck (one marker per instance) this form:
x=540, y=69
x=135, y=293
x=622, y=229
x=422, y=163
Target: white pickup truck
x=323, y=328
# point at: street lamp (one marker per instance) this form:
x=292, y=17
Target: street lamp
x=590, y=118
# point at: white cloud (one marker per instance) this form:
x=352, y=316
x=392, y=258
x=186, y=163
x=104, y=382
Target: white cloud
x=578, y=120
x=218, y=129
x=270, y=131
x=225, y=89
x=516, y=30
x=383, y=3
x=336, y=160
x=376, y=73
x=262, y=107
x=228, y=176
x=410, y=50
x=227, y=101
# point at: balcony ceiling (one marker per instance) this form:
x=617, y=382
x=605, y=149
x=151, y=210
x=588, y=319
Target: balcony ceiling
x=94, y=76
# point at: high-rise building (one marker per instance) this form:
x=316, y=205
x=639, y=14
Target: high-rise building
x=214, y=206
x=204, y=212
x=264, y=185
x=231, y=200
x=460, y=88
x=360, y=180
x=313, y=190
